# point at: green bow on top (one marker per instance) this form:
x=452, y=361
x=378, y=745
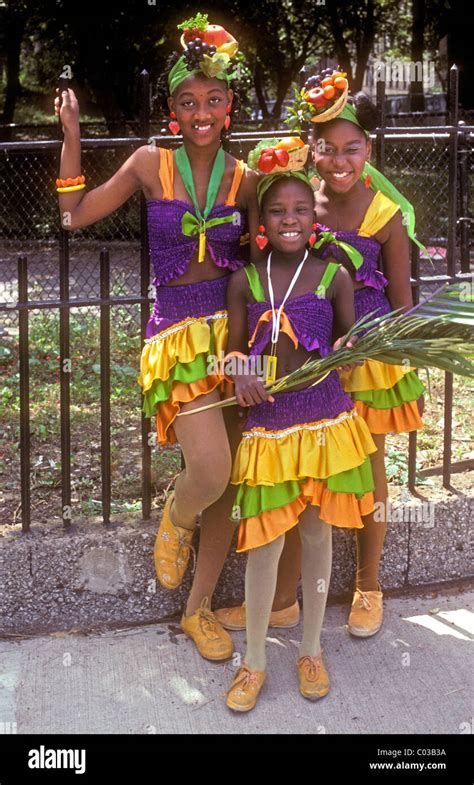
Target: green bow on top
x=197, y=224
x=354, y=255
x=191, y=225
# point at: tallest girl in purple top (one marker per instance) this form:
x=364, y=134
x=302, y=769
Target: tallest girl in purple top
x=200, y=202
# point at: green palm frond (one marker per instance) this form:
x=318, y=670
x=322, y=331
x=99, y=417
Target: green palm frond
x=437, y=333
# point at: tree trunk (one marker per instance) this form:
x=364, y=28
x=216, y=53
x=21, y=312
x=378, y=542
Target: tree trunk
x=14, y=29
x=284, y=79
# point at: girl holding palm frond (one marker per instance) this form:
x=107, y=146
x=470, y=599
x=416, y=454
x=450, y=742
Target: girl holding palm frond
x=303, y=459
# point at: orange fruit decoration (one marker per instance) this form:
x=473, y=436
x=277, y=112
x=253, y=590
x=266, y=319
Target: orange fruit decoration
x=341, y=83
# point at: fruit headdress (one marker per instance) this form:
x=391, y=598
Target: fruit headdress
x=322, y=98
x=276, y=158
x=208, y=50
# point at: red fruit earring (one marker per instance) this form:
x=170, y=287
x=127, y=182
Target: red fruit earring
x=367, y=181
x=173, y=125
x=312, y=237
x=261, y=238
x=227, y=117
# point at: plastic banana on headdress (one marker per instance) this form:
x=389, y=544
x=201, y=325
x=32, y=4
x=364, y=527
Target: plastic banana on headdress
x=208, y=50
x=323, y=98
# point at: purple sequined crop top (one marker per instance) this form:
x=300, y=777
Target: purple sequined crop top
x=368, y=273
x=171, y=250
x=310, y=316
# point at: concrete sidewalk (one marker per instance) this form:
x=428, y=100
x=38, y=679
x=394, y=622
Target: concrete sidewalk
x=415, y=676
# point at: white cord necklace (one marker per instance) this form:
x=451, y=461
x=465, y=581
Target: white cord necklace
x=270, y=375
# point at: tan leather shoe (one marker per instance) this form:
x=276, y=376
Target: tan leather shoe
x=172, y=549
x=366, y=616
x=313, y=677
x=245, y=689
x=234, y=618
x=212, y=641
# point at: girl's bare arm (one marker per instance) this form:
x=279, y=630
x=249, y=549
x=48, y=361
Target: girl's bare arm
x=81, y=208
x=396, y=264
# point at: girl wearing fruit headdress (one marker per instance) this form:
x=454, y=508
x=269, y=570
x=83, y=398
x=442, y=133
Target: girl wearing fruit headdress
x=200, y=202
x=303, y=461
x=358, y=206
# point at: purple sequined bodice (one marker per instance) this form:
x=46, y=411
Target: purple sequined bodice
x=310, y=317
x=171, y=250
x=368, y=273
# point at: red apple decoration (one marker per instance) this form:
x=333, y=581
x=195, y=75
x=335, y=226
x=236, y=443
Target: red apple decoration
x=316, y=97
x=266, y=162
x=281, y=156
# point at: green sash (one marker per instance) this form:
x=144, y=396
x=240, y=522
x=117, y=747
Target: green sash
x=190, y=224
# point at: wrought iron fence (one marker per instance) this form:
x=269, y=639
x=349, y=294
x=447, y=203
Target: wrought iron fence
x=433, y=166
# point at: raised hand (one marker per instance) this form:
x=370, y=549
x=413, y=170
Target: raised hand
x=68, y=110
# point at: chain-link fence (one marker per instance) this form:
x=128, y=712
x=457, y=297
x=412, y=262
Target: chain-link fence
x=29, y=216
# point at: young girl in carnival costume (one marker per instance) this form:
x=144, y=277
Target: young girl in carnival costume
x=356, y=204
x=303, y=459
x=200, y=203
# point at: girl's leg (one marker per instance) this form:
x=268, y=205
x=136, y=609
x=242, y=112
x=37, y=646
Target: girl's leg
x=316, y=539
x=207, y=455
x=217, y=530
x=316, y=562
x=366, y=615
x=205, y=446
x=289, y=571
x=370, y=539
x=260, y=583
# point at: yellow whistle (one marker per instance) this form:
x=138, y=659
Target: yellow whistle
x=202, y=246
x=271, y=369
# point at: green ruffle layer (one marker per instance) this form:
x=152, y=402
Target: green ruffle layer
x=160, y=389
x=253, y=500
x=408, y=388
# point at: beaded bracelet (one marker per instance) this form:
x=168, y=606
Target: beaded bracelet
x=70, y=180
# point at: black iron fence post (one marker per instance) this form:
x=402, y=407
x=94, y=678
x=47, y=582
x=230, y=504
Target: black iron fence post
x=105, y=385
x=380, y=138
x=65, y=368
x=451, y=257
x=24, y=363
x=145, y=292
x=464, y=219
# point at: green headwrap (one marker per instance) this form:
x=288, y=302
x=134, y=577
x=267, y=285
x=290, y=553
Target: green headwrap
x=265, y=182
x=179, y=72
x=349, y=113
